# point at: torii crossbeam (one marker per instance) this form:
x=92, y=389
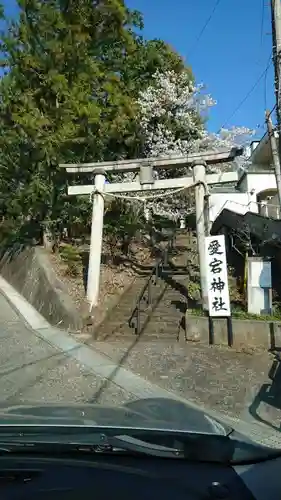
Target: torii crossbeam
x=147, y=182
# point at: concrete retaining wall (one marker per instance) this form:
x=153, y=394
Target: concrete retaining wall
x=30, y=273
x=262, y=334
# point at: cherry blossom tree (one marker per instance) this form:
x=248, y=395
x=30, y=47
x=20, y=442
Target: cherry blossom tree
x=172, y=114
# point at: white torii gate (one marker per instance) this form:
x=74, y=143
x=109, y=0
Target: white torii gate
x=146, y=182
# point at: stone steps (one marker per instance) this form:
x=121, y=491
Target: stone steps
x=117, y=322
x=163, y=317
x=162, y=322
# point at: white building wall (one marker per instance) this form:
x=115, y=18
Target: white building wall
x=245, y=200
x=271, y=208
x=237, y=202
x=260, y=182
x=243, y=185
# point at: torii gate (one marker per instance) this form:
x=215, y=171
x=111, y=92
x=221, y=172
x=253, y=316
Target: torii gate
x=146, y=182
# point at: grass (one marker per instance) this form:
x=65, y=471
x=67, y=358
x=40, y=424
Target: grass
x=238, y=313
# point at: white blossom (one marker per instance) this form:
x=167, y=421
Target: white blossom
x=169, y=111
x=172, y=116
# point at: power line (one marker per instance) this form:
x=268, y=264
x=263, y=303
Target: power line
x=265, y=84
x=205, y=25
x=248, y=93
x=262, y=22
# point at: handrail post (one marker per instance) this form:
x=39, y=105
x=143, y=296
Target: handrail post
x=138, y=319
x=156, y=272
x=149, y=297
x=160, y=268
x=165, y=257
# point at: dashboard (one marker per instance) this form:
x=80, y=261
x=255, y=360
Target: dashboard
x=105, y=477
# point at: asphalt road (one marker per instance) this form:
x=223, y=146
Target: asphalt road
x=51, y=366
x=33, y=370
x=235, y=384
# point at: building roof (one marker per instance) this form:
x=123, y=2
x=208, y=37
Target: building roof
x=261, y=151
x=229, y=166
x=225, y=188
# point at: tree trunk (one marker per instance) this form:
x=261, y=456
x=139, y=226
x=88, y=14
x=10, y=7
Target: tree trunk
x=48, y=239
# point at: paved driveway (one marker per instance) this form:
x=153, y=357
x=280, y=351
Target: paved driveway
x=51, y=366
x=33, y=370
x=219, y=378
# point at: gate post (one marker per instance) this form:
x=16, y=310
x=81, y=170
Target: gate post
x=199, y=175
x=93, y=281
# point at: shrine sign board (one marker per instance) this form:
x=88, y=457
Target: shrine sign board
x=216, y=276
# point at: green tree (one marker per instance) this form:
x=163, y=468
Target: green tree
x=72, y=72
x=60, y=99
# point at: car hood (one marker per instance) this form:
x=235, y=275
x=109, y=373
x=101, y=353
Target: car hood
x=156, y=413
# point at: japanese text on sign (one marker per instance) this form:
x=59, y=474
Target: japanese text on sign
x=216, y=270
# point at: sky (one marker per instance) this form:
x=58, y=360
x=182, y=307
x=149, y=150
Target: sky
x=230, y=57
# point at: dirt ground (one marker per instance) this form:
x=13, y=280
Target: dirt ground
x=114, y=280
x=237, y=384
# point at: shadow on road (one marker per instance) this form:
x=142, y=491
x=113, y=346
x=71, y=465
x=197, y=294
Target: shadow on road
x=180, y=305
x=269, y=393
x=58, y=359
x=110, y=380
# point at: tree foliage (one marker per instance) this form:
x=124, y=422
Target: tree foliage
x=173, y=112
x=172, y=115
x=72, y=70
x=81, y=84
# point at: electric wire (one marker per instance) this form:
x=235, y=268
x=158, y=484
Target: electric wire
x=206, y=24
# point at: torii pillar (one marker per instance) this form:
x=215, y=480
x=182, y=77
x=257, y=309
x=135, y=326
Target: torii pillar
x=93, y=278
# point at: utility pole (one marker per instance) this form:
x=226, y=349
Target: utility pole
x=275, y=154
x=276, y=52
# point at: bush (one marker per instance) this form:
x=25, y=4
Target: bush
x=71, y=257
x=123, y=221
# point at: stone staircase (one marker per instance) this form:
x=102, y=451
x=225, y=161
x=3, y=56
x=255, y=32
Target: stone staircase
x=163, y=317
x=116, y=322
x=166, y=319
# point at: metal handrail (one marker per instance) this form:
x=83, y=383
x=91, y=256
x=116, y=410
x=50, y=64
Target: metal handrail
x=248, y=206
x=134, y=320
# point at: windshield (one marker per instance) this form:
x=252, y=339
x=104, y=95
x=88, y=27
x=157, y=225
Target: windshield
x=139, y=248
